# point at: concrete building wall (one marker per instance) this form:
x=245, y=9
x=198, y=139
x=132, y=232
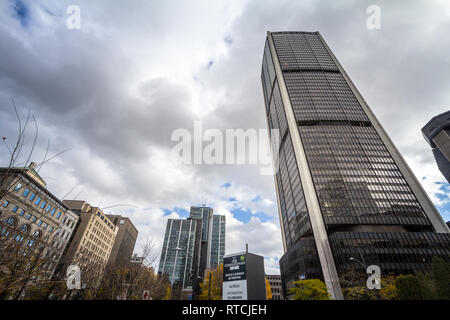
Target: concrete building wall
x=91, y=246
x=124, y=242
x=275, y=286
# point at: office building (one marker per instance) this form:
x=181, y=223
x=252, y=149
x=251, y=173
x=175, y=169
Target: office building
x=275, y=286
x=180, y=253
x=124, y=242
x=217, y=241
x=34, y=218
x=192, y=246
x=437, y=133
x=93, y=241
x=343, y=189
x=204, y=214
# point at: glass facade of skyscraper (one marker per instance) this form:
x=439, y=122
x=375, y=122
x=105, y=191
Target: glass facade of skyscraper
x=178, y=252
x=205, y=214
x=217, y=241
x=342, y=187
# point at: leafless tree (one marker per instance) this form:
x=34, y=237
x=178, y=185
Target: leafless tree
x=22, y=266
x=133, y=278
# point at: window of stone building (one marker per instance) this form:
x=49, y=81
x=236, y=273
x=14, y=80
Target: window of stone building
x=36, y=234
x=25, y=193
x=25, y=228
x=11, y=221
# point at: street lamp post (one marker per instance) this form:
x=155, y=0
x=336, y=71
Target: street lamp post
x=363, y=264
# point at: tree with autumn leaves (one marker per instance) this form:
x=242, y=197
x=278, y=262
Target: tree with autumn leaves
x=215, y=291
x=268, y=290
x=311, y=289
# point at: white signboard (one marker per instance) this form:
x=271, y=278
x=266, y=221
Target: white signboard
x=146, y=295
x=235, y=290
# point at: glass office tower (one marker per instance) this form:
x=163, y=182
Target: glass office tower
x=343, y=189
x=179, y=253
x=217, y=241
x=205, y=214
x=192, y=246
x=213, y=237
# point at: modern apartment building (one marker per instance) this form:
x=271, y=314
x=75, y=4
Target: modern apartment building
x=93, y=241
x=124, y=242
x=437, y=133
x=33, y=218
x=344, y=192
x=275, y=286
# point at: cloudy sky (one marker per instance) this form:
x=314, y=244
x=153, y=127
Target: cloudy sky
x=114, y=90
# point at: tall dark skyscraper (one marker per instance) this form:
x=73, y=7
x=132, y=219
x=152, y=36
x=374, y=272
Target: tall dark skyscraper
x=437, y=134
x=343, y=189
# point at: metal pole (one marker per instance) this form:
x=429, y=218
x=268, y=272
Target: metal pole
x=209, y=286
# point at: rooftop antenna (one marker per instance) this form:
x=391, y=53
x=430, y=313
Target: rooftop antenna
x=204, y=202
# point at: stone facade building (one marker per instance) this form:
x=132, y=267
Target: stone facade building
x=34, y=218
x=93, y=241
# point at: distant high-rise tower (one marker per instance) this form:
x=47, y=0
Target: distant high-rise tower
x=179, y=255
x=343, y=189
x=437, y=134
x=213, y=237
x=217, y=241
x=204, y=214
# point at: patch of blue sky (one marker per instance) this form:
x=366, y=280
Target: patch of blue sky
x=182, y=212
x=226, y=185
x=21, y=12
x=444, y=196
x=257, y=199
x=244, y=215
x=444, y=210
